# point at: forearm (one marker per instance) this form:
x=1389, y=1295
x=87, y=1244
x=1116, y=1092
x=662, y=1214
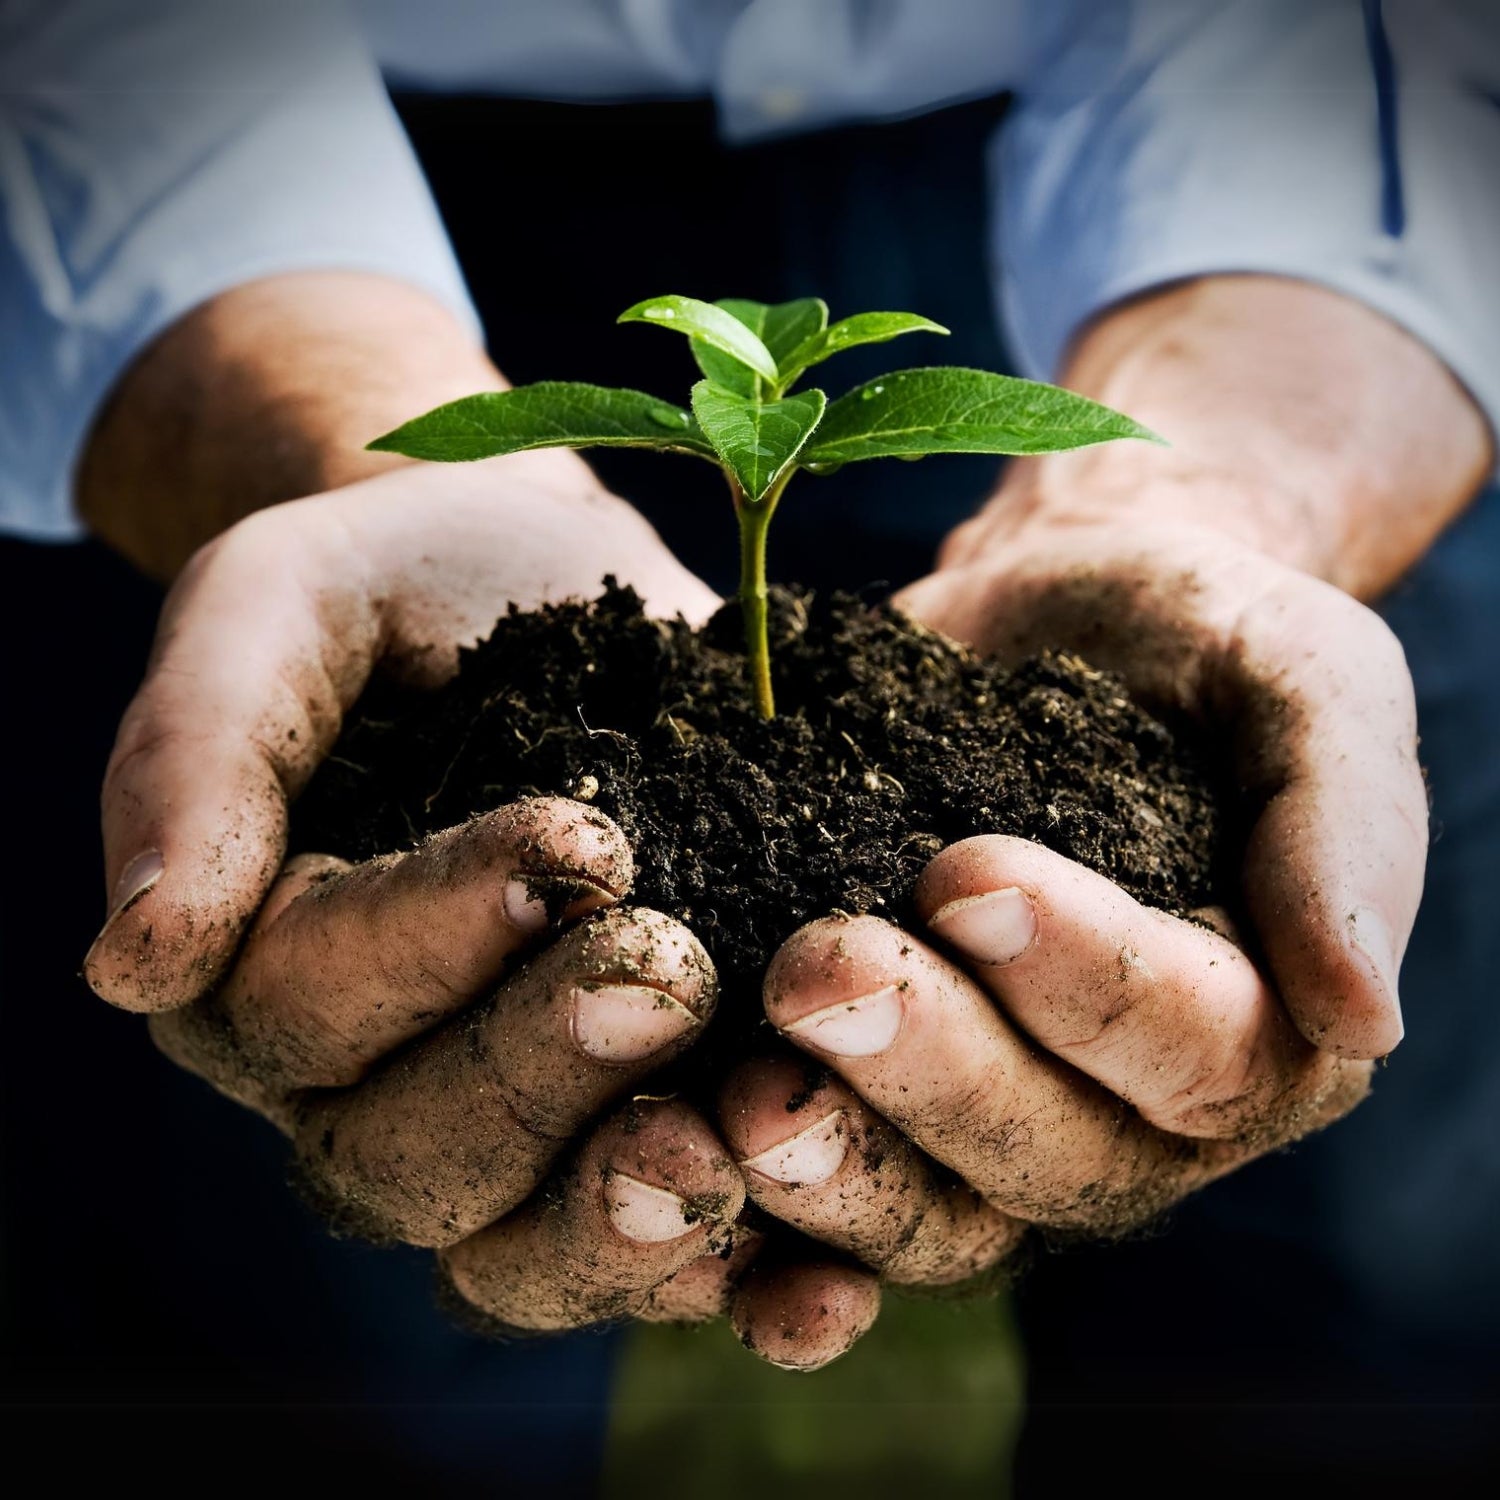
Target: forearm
x=266, y=393
x=1300, y=422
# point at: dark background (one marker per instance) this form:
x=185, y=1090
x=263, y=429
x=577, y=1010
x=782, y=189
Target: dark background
x=167, y=1303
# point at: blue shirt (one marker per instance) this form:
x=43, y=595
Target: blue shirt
x=156, y=153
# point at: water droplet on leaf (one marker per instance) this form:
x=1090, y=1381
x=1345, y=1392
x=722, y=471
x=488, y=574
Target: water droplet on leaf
x=669, y=417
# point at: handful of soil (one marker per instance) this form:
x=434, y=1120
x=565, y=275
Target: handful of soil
x=891, y=742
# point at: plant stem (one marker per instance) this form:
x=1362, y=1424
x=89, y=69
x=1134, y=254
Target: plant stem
x=755, y=521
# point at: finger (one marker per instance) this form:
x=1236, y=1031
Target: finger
x=1335, y=862
x=802, y=1314
x=920, y=1042
x=1171, y=1017
x=1318, y=697
x=818, y=1159
x=347, y=962
x=196, y=1038
x=651, y=1192
x=702, y=1290
x=459, y=1128
x=243, y=695
x=341, y=970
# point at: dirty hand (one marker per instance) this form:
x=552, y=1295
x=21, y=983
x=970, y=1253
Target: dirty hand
x=287, y=988
x=1047, y=1051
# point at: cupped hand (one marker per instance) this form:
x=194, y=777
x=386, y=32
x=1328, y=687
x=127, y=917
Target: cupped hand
x=1047, y=1051
x=440, y=1031
x=1307, y=690
x=266, y=639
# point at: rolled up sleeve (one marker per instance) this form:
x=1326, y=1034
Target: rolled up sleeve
x=1347, y=144
x=155, y=154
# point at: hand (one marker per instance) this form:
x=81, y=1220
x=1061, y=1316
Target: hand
x=269, y=635
x=288, y=990
x=1061, y=1055
x=291, y=989
x=1055, y=1053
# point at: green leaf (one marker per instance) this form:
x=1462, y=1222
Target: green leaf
x=757, y=440
x=711, y=325
x=781, y=326
x=850, y=333
x=952, y=410
x=549, y=414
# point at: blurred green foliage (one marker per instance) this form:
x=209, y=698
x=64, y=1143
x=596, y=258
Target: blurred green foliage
x=928, y=1403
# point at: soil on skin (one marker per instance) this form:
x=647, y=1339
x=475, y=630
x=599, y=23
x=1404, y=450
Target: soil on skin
x=890, y=742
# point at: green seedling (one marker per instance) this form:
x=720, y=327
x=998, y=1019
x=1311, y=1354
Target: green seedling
x=745, y=418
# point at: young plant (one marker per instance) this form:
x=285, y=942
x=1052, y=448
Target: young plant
x=745, y=419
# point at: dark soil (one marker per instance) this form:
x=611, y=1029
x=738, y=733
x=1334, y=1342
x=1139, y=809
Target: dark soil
x=890, y=742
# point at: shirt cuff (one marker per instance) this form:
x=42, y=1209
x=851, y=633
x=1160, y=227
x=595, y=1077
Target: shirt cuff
x=130, y=198
x=1275, y=139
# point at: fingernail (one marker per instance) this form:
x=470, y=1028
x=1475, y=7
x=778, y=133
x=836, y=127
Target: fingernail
x=524, y=911
x=535, y=902
x=135, y=880
x=995, y=928
x=622, y=1023
x=1372, y=938
x=649, y=1215
x=807, y=1369
x=807, y=1158
x=853, y=1028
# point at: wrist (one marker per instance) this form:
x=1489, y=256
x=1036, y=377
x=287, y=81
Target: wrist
x=1302, y=424
x=266, y=393
x=1151, y=487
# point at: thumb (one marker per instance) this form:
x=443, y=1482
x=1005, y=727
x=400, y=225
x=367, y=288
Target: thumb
x=251, y=671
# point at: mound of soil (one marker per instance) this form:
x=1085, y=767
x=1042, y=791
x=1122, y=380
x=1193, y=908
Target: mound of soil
x=890, y=742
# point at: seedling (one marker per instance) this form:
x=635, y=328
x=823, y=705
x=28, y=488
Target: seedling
x=745, y=419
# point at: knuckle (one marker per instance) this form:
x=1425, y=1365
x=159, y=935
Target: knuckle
x=182, y=1037
x=199, y=1039
x=149, y=729
x=534, y=1110
x=253, y=541
x=1222, y=1084
x=372, y=1174
x=1097, y=1182
x=539, y=1288
x=363, y=1209
x=967, y=1116
x=952, y=1241
x=281, y=1026
x=1263, y=1109
x=474, y=1287
x=1123, y=1202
